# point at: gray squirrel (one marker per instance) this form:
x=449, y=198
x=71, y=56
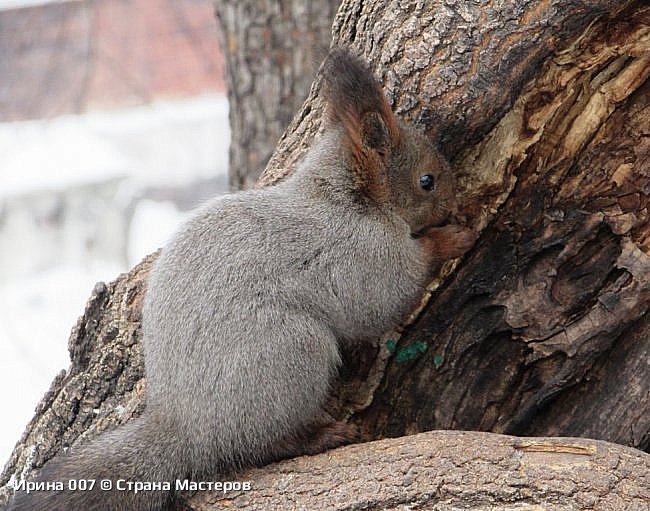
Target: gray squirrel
x=248, y=304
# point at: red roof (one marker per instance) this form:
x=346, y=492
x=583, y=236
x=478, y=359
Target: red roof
x=74, y=56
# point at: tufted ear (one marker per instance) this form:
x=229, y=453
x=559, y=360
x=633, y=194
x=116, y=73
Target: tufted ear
x=356, y=102
x=374, y=133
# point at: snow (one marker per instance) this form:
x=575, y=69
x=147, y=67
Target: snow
x=164, y=215
x=148, y=143
x=13, y=4
x=37, y=317
x=82, y=170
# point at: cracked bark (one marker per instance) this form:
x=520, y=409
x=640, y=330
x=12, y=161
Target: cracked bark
x=542, y=329
x=271, y=50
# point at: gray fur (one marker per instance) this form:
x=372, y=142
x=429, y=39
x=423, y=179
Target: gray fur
x=244, y=313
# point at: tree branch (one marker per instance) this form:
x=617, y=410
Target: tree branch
x=450, y=470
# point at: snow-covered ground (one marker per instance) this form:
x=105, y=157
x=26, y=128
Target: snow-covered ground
x=167, y=142
x=64, y=184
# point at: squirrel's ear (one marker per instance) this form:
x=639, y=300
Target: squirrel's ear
x=374, y=133
x=356, y=102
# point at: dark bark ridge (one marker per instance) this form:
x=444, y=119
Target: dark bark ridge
x=523, y=339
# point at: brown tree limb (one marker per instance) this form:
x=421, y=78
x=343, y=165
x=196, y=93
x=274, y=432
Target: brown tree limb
x=451, y=470
x=453, y=68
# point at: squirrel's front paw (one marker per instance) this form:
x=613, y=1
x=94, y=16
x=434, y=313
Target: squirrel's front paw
x=448, y=241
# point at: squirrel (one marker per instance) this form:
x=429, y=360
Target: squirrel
x=249, y=303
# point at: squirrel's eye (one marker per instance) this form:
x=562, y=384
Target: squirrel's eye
x=426, y=182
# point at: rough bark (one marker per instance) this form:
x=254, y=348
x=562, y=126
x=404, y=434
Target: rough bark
x=543, y=108
x=272, y=49
x=450, y=471
x=104, y=385
x=541, y=329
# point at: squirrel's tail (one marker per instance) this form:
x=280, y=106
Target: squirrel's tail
x=129, y=468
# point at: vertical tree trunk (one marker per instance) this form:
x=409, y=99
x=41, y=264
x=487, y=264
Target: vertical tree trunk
x=544, y=108
x=272, y=50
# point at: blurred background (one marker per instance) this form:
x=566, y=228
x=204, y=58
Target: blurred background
x=113, y=125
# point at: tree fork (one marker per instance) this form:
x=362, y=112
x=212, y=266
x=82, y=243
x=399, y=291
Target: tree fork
x=543, y=108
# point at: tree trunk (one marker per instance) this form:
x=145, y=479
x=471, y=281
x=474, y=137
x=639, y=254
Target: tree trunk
x=272, y=49
x=544, y=109
x=542, y=329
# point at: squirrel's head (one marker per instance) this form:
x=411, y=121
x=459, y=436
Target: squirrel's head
x=391, y=164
